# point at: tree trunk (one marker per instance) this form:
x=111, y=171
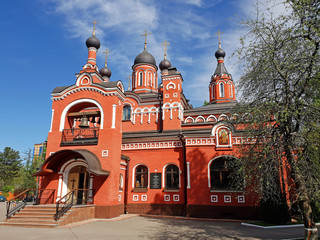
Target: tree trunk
x=311, y=231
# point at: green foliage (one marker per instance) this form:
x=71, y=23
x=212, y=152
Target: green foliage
x=205, y=103
x=7, y=188
x=10, y=163
x=280, y=103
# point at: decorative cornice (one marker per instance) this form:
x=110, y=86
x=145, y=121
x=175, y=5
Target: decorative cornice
x=58, y=97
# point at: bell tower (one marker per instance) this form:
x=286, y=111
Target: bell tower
x=221, y=87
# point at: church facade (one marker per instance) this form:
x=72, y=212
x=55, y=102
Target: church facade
x=145, y=150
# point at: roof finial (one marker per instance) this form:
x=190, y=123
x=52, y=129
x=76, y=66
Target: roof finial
x=145, y=38
x=94, y=27
x=219, y=37
x=165, y=44
x=106, y=52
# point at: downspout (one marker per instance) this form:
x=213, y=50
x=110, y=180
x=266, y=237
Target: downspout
x=126, y=186
x=185, y=176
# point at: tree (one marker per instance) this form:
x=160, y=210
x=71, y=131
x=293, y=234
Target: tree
x=280, y=57
x=9, y=166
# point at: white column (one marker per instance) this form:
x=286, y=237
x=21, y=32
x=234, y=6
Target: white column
x=59, y=187
x=114, y=107
x=51, y=120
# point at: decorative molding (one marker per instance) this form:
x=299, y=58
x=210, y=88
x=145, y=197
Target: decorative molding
x=176, y=198
x=214, y=198
x=227, y=198
x=104, y=153
x=200, y=141
x=135, y=198
x=241, y=199
x=151, y=145
x=144, y=198
x=166, y=198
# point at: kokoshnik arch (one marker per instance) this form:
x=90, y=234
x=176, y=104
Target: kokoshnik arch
x=145, y=150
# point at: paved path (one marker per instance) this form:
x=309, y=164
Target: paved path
x=158, y=228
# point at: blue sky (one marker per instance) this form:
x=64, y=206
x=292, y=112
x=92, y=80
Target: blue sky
x=43, y=46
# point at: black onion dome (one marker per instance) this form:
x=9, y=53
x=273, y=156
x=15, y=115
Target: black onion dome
x=93, y=42
x=220, y=53
x=145, y=57
x=164, y=64
x=105, y=71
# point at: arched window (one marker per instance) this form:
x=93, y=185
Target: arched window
x=221, y=88
x=231, y=90
x=213, y=90
x=225, y=174
x=140, y=79
x=172, y=177
x=126, y=113
x=141, y=177
x=150, y=79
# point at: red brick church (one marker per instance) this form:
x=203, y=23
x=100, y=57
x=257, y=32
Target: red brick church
x=145, y=149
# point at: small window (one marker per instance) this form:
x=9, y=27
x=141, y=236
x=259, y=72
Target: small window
x=172, y=177
x=141, y=180
x=231, y=90
x=140, y=79
x=126, y=113
x=224, y=174
x=121, y=182
x=221, y=86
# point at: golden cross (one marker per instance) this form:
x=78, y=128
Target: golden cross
x=219, y=37
x=165, y=44
x=106, y=52
x=129, y=77
x=145, y=38
x=94, y=27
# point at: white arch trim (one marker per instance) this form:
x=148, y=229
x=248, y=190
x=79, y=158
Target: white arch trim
x=211, y=116
x=134, y=174
x=209, y=177
x=67, y=108
x=65, y=169
x=186, y=120
x=221, y=116
x=200, y=117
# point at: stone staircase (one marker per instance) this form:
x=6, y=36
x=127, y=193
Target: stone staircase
x=34, y=216
x=42, y=216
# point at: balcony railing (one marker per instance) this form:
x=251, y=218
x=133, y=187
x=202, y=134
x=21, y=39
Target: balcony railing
x=80, y=136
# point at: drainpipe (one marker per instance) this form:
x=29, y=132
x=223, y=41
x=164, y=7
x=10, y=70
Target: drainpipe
x=126, y=186
x=185, y=177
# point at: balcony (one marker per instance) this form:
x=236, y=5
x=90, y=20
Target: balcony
x=80, y=136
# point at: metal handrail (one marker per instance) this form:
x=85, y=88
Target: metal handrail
x=68, y=201
x=28, y=195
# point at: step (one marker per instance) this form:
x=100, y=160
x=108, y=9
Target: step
x=32, y=221
x=31, y=217
x=34, y=214
x=37, y=225
x=38, y=211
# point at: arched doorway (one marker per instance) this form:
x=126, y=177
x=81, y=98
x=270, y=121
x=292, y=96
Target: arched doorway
x=78, y=180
